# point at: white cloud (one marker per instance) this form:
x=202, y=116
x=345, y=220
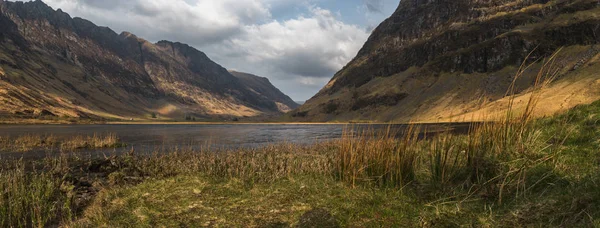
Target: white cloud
x=314, y=46
x=299, y=55
x=201, y=22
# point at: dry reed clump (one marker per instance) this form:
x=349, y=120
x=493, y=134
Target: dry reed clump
x=91, y=142
x=30, y=142
x=377, y=157
x=493, y=158
x=254, y=165
x=26, y=142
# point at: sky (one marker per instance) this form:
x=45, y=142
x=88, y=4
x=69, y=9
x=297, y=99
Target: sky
x=297, y=44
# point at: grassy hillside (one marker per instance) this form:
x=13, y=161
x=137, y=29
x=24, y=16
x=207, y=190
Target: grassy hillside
x=522, y=172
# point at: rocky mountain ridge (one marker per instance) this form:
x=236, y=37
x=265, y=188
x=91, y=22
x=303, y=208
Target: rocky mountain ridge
x=263, y=87
x=451, y=60
x=71, y=67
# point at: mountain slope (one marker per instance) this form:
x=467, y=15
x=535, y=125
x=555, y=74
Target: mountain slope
x=55, y=64
x=453, y=60
x=263, y=87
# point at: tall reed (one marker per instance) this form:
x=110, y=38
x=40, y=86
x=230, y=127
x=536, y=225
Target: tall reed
x=32, y=198
x=377, y=157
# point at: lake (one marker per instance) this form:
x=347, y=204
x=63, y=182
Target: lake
x=149, y=138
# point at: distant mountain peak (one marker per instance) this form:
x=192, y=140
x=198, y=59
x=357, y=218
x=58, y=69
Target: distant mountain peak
x=128, y=34
x=263, y=87
x=241, y=73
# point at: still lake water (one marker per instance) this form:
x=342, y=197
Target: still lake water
x=149, y=138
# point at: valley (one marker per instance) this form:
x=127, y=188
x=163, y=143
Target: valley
x=454, y=113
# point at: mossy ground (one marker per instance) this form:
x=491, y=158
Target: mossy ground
x=192, y=201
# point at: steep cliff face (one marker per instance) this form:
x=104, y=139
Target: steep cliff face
x=69, y=66
x=263, y=87
x=437, y=60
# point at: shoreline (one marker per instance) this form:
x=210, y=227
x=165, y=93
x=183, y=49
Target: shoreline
x=60, y=122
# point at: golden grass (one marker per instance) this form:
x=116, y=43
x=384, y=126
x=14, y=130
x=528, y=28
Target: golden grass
x=377, y=157
x=91, y=142
x=26, y=142
x=31, y=142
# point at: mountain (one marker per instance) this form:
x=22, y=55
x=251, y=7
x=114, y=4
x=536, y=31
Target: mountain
x=262, y=87
x=52, y=64
x=454, y=60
